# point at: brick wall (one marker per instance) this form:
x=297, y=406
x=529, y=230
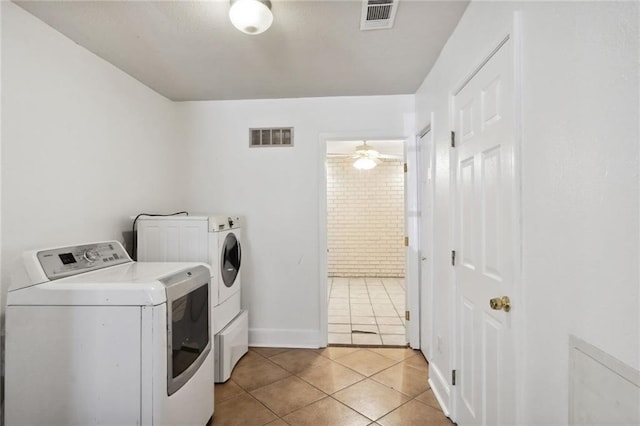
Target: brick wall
x=365, y=219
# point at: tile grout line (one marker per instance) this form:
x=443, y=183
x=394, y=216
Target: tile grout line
x=374, y=312
x=330, y=395
x=392, y=304
x=350, y=314
x=376, y=316
x=383, y=282
x=366, y=286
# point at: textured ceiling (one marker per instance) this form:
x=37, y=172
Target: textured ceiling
x=188, y=50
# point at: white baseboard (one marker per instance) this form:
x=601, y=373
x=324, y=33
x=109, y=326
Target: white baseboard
x=440, y=388
x=284, y=338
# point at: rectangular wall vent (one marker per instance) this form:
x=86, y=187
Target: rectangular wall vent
x=378, y=14
x=276, y=136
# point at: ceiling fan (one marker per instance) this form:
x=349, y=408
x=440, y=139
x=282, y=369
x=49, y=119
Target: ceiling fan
x=366, y=157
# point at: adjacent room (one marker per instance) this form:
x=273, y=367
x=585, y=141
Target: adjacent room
x=365, y=242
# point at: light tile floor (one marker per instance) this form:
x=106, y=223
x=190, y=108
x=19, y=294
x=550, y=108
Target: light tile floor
x=366, y=311
x=335, y=386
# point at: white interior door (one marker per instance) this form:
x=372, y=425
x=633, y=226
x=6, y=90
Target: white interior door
x=425, y=187
x=484, y=232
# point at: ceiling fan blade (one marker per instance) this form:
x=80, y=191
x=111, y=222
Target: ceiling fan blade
x=366, y=150
x=337, y=155
x=390, y=157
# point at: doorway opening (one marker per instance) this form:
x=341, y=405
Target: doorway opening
x=365, y=197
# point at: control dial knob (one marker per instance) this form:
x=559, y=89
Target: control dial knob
x=91, y=255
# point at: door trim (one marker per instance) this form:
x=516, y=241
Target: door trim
x=412, y=252
x=411, y=256
x=472, y=74
x=427, y=309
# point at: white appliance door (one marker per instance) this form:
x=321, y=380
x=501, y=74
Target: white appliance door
x=230, y=257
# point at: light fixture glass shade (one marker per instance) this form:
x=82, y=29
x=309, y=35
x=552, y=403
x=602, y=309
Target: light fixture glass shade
x=251, y=16
x=364, y=163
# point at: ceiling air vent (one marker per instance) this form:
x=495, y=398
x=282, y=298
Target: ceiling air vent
x=277, y=136
x=378, y=14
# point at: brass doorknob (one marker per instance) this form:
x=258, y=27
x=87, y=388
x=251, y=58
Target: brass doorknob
x=498, y=303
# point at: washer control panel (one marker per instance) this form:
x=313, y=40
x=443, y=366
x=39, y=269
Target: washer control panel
x=222, y=223
x=67, y=261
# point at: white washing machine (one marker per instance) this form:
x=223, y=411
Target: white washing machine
x=214, y=240
x=93, y=338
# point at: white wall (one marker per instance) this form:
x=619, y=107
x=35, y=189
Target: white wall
x=278, y=192
x=365, y=219
x=84, y=146
x=579, y=184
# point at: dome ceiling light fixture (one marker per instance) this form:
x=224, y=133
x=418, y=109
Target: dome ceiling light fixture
x=251, y=16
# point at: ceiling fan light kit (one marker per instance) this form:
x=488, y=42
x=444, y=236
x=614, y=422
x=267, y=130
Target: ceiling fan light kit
x=367, y=157
x=365, y=149
x=364, y=163
x=251, y=16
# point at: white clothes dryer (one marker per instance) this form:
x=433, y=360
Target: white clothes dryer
x=215, y=240
x=95, y=338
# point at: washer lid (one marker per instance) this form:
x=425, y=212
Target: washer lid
x=129, y=284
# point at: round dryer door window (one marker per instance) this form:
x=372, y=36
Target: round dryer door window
x=230, y=259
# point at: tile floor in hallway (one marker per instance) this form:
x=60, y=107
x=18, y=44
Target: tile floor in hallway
x=366, y=311
x=334, y=386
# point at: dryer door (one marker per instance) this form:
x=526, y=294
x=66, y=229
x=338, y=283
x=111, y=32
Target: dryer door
x=230, y=259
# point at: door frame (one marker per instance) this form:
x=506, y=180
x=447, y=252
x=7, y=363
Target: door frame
x=426, y=247
x=513, y=33
x=411, y=230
